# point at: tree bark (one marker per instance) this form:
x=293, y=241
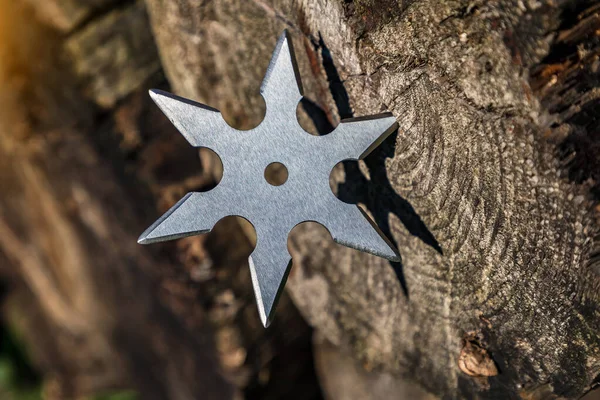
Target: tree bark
x=490, y=189
x=485, y=189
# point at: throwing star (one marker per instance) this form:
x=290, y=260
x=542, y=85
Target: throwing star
x=273, y=210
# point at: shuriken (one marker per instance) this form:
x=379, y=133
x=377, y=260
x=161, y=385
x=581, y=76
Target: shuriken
x=273, y=210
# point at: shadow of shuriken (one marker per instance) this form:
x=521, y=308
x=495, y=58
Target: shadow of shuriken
x=376, y=193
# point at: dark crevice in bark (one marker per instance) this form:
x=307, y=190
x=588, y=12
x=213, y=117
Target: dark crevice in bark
x=567, y=81
x=101, y=11
x=291, y=367
x=23, y=373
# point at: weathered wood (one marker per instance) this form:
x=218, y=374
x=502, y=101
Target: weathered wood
x=67, y=15
x=114, y=54
x=490, y=190
x=498, y=243
x=85, y=293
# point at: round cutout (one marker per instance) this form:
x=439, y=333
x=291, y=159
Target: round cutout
x=312, y=118
x=276, y=174
x=348, y=180
x=212, y=166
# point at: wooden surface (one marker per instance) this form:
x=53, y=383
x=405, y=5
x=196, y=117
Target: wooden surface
x=499, y=242
x=490, y=190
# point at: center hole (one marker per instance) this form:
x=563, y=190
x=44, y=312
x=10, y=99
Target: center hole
x=276, y=174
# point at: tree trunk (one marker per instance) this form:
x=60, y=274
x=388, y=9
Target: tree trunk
x=490, y=190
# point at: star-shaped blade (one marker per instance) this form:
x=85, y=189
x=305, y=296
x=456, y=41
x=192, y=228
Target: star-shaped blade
x=273, y=210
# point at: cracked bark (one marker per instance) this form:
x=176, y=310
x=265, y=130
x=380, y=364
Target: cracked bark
x=489, y=188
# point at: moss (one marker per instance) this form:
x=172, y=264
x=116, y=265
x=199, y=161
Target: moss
x=18, y=378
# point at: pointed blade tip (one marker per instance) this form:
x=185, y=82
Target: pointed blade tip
x=390, y=253
x=393, y=257
x=265, y=316
x=389, y=121
x=276, y=58
x=392, y=120
x=393, y=124
x=149, y=236
x=145, y=238
x=266, y=310
x=284, y=36
x=156, y=96
x=265, y=321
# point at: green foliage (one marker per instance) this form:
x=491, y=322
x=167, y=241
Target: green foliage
x=18, y=380
x=10, y=385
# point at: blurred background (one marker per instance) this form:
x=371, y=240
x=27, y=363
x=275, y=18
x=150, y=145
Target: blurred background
x=87, y=162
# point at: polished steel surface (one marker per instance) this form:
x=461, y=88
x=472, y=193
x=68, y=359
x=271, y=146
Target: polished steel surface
x=244, y=191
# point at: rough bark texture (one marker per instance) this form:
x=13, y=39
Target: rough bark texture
x=490, y=189
x=496, y=222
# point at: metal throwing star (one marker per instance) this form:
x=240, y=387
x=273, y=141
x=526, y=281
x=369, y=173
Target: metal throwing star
x=244, y=191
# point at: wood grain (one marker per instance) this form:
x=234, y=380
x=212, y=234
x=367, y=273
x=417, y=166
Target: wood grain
x=494, y=237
